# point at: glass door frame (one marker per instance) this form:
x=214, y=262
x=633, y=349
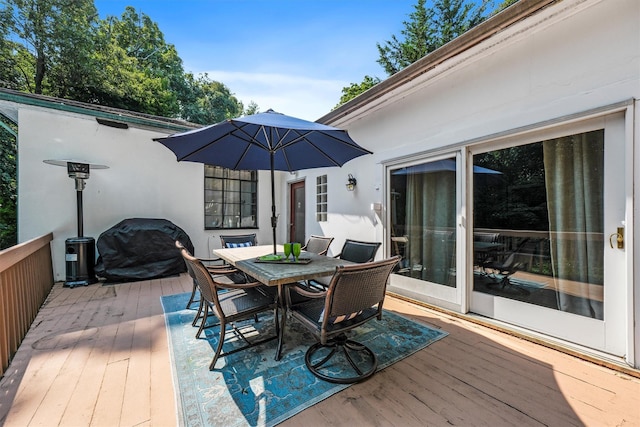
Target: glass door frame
x=451, y=298
x=613, y=335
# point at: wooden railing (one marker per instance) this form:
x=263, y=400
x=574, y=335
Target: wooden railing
x=26, y=278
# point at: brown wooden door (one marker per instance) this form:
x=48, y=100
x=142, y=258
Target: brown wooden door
x=297, y=213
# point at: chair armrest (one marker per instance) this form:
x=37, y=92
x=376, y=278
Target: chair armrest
x=230, y=284
x=223, y=269
x=307, y=292
x=220, y=260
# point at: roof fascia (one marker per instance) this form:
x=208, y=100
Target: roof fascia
x=138, y=120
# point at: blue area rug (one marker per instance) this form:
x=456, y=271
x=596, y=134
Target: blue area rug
x=250, y=388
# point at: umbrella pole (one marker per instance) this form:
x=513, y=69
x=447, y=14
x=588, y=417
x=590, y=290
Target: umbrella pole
x=274, y=218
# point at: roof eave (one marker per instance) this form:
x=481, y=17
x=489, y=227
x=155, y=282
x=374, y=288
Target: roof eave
x=135, y=119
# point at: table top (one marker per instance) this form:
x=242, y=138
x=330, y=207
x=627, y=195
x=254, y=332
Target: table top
x=278, y=274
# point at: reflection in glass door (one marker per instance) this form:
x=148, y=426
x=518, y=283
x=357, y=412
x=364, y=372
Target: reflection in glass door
x=423, y=218
x=539, y=249
x=538, y=233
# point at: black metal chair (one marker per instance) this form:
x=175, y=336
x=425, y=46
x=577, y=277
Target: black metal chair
x=318, y=244
x=354, y=251
x=501, y=271
x=213, y=269
x=358, y=251
x=355, y=295
x=239, y=302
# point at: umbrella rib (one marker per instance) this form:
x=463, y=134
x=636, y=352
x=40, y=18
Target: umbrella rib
x=221, y=137
x=275, y=142
x=303, y=136
x=250, y=140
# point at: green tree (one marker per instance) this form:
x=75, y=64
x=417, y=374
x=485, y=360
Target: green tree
x=208, y=101
x=134, y=68
x=427, y=29
x=8, y=181
x=252, y=108
x=356, y=89
x=418, y=38
x=502, y=6
x=61, y=48
x=45, y=32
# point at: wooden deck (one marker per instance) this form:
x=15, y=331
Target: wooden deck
x=98, y=356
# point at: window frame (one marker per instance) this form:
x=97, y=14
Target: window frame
x=322, y=198
x=231, y=206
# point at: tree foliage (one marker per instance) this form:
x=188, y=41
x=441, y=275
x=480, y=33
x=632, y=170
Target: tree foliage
x=426, y=30
x=8, y=183
x=502, y=6
x=48, y=38
x=61, y=48
x=209, y=102
x=356, y=89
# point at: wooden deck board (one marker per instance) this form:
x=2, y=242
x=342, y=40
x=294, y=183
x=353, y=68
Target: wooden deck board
x=98, y=355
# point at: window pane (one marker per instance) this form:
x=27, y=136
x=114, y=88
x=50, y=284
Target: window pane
x=423, y=213
x=232, y=185
x=321, y=198
x=544, y=216
x=213, y=184
x=230, y=198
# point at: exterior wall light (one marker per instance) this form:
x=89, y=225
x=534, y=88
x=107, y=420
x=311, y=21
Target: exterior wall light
x=351, y=183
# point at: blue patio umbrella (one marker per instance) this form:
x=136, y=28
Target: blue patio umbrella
x=265, y=141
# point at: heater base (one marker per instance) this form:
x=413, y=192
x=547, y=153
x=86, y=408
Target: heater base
x=80, y=259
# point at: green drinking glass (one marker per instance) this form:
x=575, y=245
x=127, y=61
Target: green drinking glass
x=295, y=250
x=287, y=250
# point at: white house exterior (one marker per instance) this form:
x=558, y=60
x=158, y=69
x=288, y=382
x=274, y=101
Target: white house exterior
x=540, y=71
x=569, y=68
x=143, y=179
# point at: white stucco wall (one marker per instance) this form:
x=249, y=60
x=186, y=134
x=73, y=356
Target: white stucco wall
x=144, y=180
x=574, y=56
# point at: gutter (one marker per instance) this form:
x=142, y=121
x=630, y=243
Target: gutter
x=114, y=115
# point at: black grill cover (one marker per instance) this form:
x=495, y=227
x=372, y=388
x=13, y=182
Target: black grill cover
x=140, y=249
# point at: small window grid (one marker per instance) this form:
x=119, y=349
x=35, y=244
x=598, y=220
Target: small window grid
x=230, y=198
x=321, y=198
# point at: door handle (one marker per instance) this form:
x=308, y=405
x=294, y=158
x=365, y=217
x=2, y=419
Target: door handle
x=619, y=238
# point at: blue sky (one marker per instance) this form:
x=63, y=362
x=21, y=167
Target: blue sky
x=294, y=56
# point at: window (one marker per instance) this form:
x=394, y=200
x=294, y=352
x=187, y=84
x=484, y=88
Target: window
x=321, y=198
x=547, y=207
x=230, y=198
x=423, y=220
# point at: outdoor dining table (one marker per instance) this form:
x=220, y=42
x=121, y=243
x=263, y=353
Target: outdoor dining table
x=279, y=274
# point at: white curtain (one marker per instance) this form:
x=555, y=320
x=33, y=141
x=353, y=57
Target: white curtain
x=574, y=176
x=431, y=208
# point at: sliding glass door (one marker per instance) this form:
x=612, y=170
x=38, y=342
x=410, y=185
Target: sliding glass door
x=424, y=206
x=545, y=250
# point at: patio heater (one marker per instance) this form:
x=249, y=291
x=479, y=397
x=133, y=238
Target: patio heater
x=80, y=251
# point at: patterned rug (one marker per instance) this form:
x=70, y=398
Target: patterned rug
x=250, y=388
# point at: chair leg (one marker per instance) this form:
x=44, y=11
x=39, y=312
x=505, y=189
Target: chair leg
x=193, y=295
x=205, y=316
x=364, y=363
x=198, y=314
x=223, y=328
